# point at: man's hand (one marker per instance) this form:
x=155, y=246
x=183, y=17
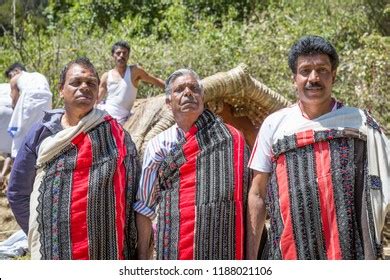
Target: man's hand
x=144, y=232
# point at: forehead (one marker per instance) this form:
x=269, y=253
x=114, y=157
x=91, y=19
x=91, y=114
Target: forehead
x=77, y=70
x=120, y=50
x=313, y=60
x=185, y=79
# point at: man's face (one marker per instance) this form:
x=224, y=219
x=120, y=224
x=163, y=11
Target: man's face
x=14, y=72
x=80, y=89
x=186, y=96
x=314, y=78
x=121, y=56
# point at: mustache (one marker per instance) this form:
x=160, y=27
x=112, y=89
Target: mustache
x=86, y=95
x=313, y=86
x=188, y=99
x=189, y=102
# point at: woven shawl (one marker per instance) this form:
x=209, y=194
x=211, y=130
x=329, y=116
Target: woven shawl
x=203, y=186
x=329, y=189
x=81, y=202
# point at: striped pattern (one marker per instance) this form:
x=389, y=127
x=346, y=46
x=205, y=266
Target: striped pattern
x=204, y=183
x=85, y=199
x=156, y=151
x=315, y=199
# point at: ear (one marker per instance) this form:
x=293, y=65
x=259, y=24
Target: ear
x=294, y=80
x=60, y=88
x=168, y=102
x=334, y=72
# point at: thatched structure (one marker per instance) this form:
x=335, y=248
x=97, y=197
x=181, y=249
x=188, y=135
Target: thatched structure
x=238, y=98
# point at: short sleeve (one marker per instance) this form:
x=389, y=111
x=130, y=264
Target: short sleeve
x=260, y=159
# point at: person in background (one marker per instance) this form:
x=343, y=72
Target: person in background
x=31, y=96
x=119, y=86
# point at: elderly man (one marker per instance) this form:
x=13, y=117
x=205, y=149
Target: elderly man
x=321, y=168
x=120, y=85
x=31, y=96
x=77, y=173
x=195, y=172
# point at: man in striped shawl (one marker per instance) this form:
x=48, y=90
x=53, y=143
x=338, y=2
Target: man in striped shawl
x=195, y=174
x=77, y=173
x=321, y=168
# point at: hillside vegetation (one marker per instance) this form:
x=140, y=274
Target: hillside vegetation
x=208, y=36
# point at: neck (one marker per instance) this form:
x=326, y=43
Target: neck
x=185, y=122
x=71, y=119
x=313, y=111
x=121, y=68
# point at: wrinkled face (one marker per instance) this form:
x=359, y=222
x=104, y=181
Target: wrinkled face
x=186, y=96
x=80, y=89
x=314, y=78
x=121, y=56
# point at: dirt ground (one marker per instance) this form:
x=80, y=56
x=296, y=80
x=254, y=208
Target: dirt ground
x=8, y=224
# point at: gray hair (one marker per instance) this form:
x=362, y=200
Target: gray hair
x=177, y=74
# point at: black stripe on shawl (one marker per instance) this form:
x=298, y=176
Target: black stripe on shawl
x=54, y=206
x=215, y=174
x=304, y=203
x=101, y=214
x=133, y=168
x=168, y=218
x=276, y=221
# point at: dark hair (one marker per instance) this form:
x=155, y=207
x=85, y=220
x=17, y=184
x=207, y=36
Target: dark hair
x=83, y=61
x=16, y=65
x=120, y=44
x=309, y=45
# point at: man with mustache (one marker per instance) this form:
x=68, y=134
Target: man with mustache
x=119, y=86
x=321, y=170
x=194, y=180
x=75, y=177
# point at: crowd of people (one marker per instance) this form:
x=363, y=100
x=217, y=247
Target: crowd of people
x=319, y=170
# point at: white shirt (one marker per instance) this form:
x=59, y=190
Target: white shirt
x=274, y=127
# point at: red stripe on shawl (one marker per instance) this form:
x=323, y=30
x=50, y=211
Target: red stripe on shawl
x=79, y=198
x=305, y=138
x=238, y=165
x=187, y=196
x=326, y=197
x=119, y=186
x=287, y=241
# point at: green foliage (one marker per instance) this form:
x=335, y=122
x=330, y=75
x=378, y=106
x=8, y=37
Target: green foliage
x=23, y=8
x=212, y=36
